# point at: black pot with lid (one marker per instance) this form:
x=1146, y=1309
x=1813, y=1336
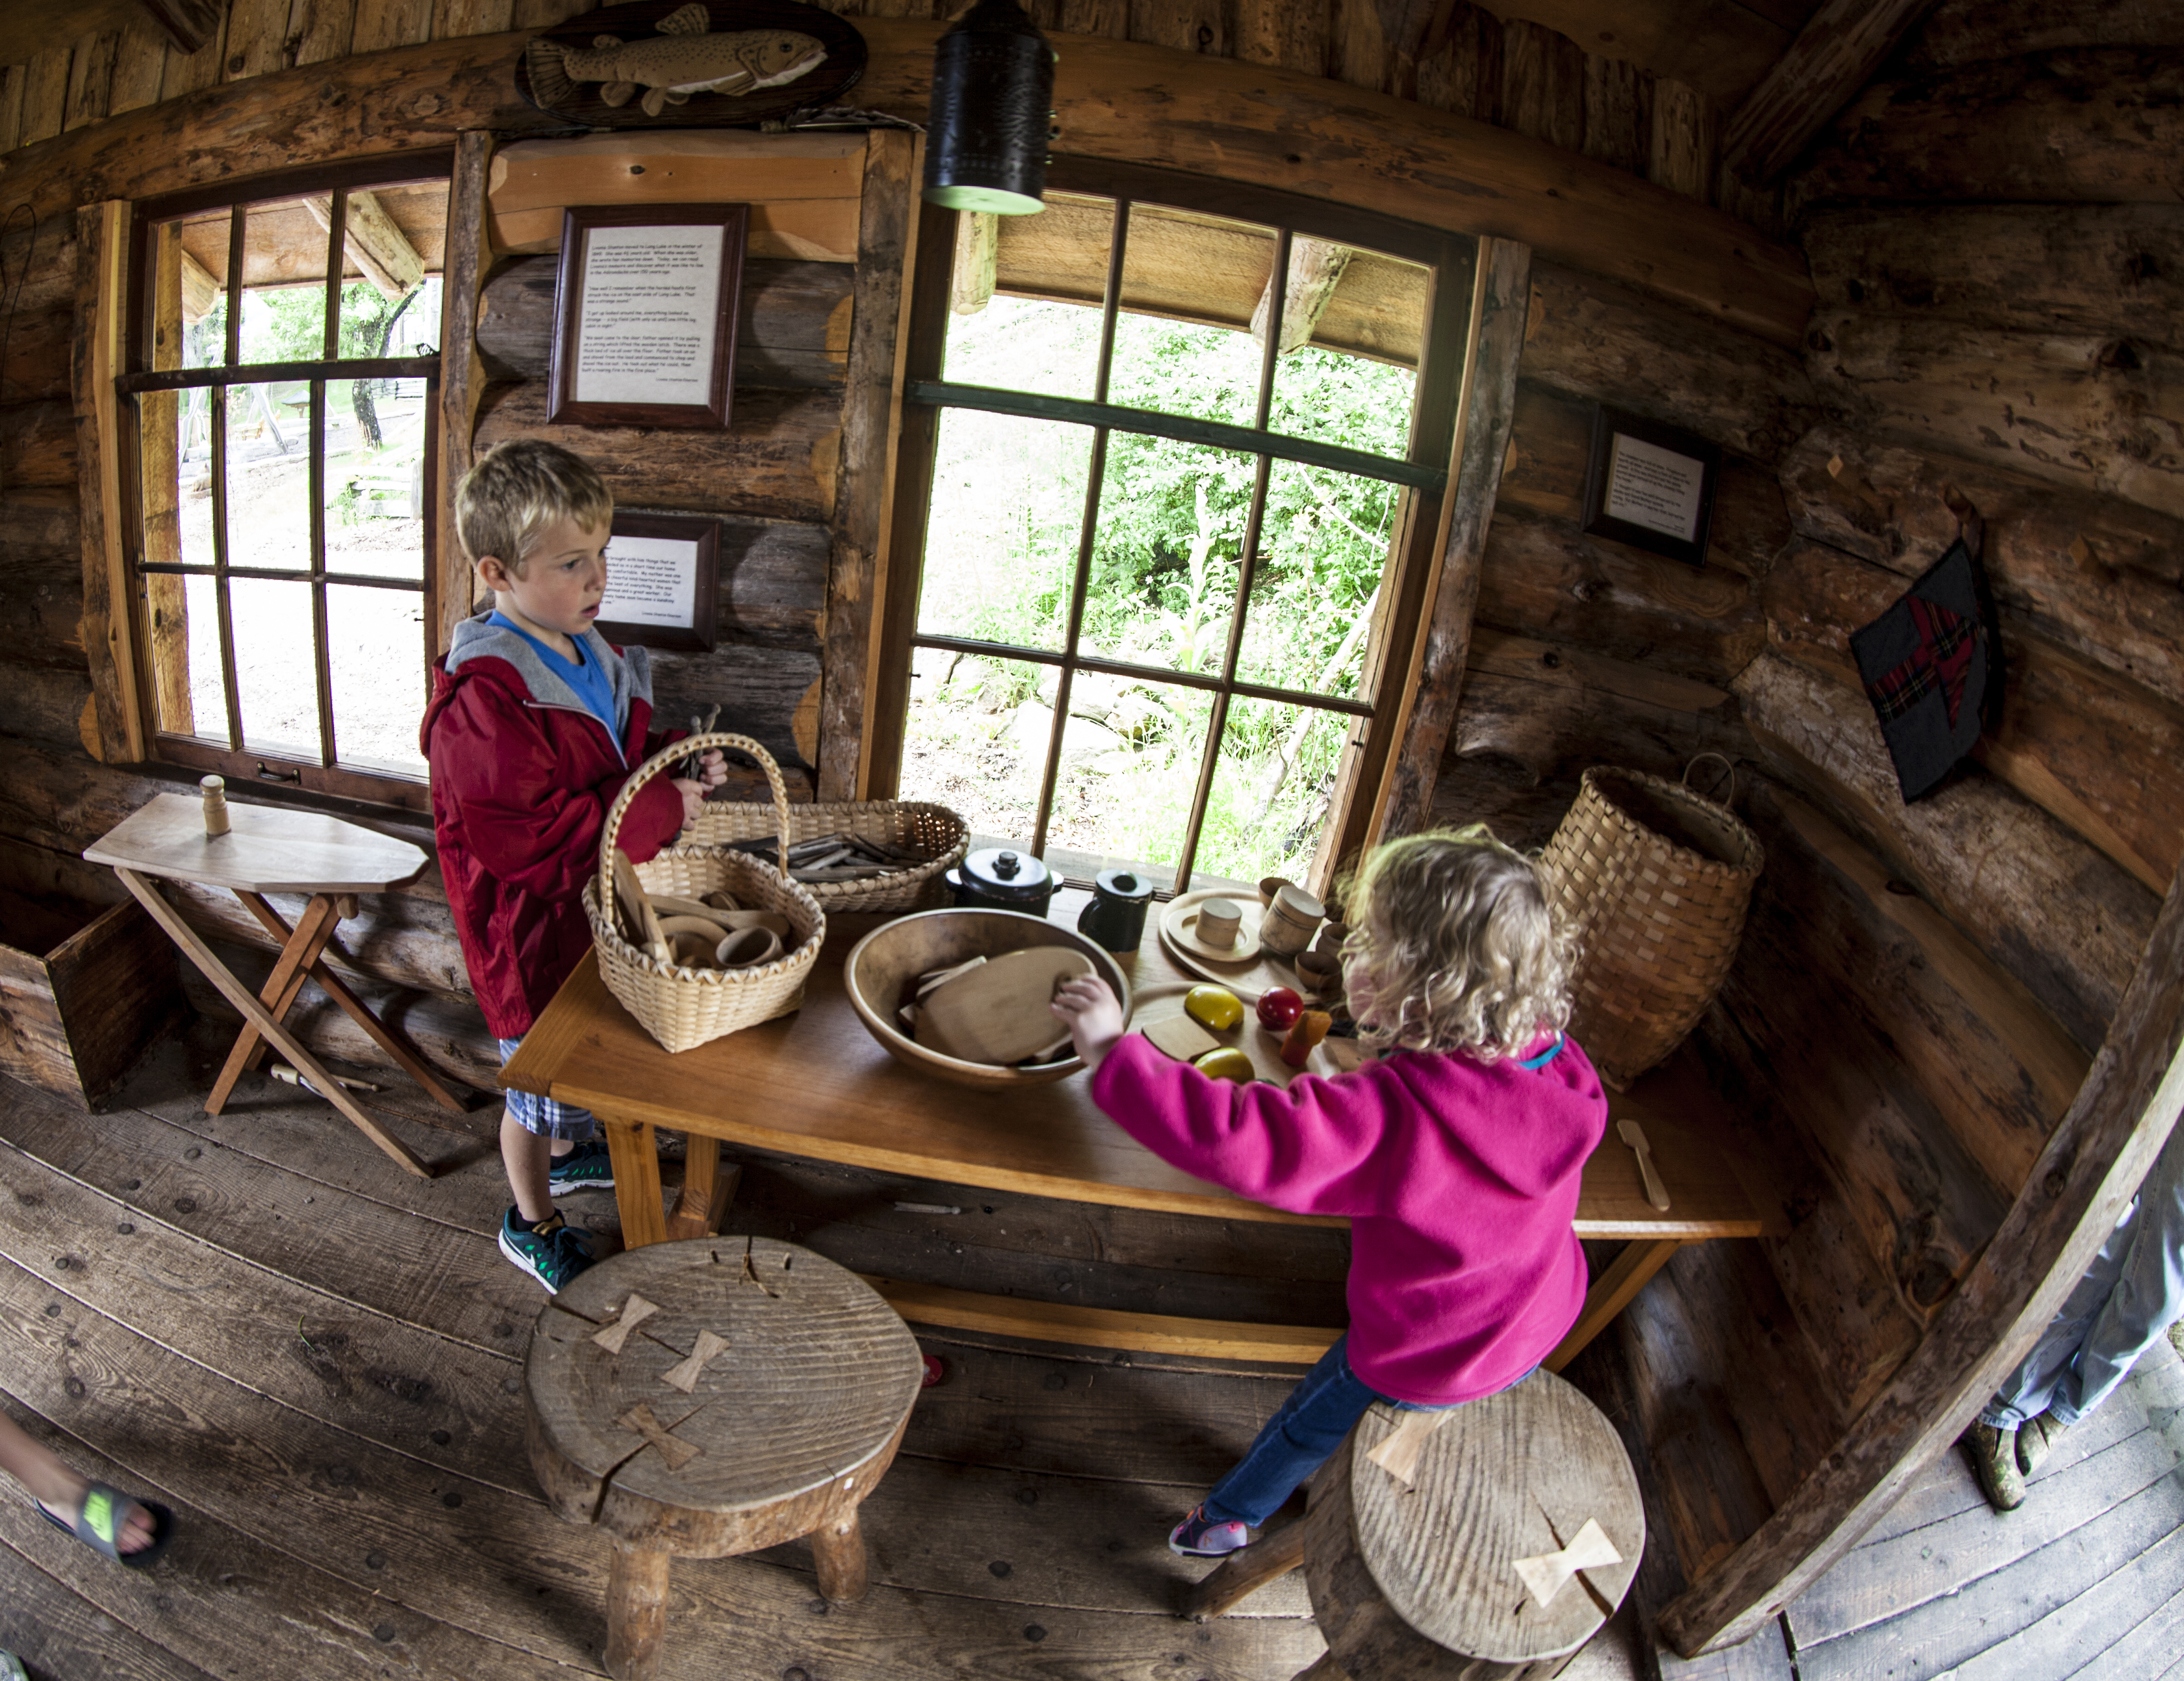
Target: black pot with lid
x=1003, y=878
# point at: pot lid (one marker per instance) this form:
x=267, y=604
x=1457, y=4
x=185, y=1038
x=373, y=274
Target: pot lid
x=1005, y=872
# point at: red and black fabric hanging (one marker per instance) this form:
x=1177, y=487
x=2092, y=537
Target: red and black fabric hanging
x=1932, y=668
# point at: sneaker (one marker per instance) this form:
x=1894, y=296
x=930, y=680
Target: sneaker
x=553, y=1252
x=586, y=1168
x=1199, y=1536
x=1993, y=1454
x=2035, y=1440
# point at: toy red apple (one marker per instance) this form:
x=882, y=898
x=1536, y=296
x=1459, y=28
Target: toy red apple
x=1279, y=1009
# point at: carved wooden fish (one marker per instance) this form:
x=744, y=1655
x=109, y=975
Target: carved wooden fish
x=685, y=58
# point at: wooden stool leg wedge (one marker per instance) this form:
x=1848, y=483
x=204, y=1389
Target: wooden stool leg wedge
x=637, y=1611
x=1275, y=1554
x=256, y=1014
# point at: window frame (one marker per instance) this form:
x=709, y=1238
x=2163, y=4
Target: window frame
x=134, y=377
x=1426, y=488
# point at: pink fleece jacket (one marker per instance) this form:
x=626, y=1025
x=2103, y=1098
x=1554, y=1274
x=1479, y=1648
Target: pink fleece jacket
x=1460, y=1179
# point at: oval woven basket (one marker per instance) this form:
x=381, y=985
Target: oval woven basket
x=934, y=830
x=1654, y=881
x=681, y=1007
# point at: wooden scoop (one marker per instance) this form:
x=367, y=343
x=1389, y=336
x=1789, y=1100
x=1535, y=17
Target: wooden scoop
x=1000, y=1012
x=640, y=925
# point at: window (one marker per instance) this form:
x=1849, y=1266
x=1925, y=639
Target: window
x=279, y=394
x=1159, y=523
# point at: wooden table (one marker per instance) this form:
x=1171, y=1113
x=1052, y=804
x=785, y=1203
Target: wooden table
x=274, y=849
x=701, y=1400
x=816, y=1084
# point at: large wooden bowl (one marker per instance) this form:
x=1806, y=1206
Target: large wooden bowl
x=896, y=952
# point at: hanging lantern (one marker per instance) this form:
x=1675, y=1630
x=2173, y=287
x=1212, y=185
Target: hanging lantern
x=993, y=112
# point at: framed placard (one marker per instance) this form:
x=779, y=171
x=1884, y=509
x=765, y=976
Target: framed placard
x=644, y=314
x=1650, y=485
x=663, y=581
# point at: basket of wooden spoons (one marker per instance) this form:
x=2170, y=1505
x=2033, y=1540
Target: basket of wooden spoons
x=701, y=940
x=864, y=855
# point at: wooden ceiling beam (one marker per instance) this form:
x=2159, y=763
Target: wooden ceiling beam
x=1836, y=53
x=189, y=24
x=1316, y=267
x=378, y=248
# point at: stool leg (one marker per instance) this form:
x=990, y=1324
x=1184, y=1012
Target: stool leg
x=636, y=1612
x=838, y=1549
x=1277, y=1553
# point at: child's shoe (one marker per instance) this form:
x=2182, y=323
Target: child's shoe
x=553, y=1251
x=586, y=1168
x=1199, y=1536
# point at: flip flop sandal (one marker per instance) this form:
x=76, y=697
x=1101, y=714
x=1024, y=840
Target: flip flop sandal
x=105, y=1514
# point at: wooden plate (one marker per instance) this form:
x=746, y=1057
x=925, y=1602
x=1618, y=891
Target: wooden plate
x=1180, y=925
x=1329, y=1056
x=1000, y=1012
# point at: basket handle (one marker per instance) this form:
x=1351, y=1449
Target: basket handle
x=673, y=753
x=1721, y=759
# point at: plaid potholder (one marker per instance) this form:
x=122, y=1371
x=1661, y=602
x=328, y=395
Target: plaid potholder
x=1933, y=670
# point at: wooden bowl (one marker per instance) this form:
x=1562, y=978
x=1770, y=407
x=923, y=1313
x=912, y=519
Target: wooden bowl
x=896, y=952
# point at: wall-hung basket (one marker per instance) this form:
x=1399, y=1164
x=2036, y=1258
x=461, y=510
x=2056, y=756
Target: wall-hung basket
x=934, y=830
x=1654, y=881
x=682, y=1007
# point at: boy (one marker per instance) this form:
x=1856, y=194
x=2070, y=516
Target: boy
x=535, y=723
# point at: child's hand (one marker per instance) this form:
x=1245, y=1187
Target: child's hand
x=1088, y=1009
x=694, y=797
x=713, y=769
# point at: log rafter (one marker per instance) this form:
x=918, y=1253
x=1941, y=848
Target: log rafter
x=1836, y=53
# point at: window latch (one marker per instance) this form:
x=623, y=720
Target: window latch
x=267, y=773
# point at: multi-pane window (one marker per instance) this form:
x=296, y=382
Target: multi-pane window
x=281, y=396
x=1159, y=528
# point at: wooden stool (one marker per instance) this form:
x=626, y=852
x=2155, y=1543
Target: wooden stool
x=1420, y=1580
x=714, y=1396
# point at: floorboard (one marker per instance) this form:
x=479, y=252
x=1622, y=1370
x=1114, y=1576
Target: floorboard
x=2082, y=1633
x=1763, y=1657
x=61, y=1636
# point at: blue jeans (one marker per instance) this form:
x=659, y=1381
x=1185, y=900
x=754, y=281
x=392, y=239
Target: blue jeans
x=2133, y=1292
x=1297, y=1440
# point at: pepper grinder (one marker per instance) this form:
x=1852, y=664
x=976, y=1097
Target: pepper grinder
x=215, y=805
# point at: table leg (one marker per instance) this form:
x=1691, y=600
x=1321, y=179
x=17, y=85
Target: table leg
x=838, y=1550
x=636, y=1159
x=298, y=951
x=1225, y=1586
x=636, y=1612
x=386, y=1038
x=1611, y=1294
x=256, y=1014
x=708, y=1188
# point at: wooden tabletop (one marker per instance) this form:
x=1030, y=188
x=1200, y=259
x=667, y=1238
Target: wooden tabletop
x=267, y=849
x=816, y=1084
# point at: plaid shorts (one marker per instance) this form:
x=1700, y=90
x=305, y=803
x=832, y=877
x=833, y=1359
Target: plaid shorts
x=542, y=1115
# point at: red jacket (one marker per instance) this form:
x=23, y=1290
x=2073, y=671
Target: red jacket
x=522, y=776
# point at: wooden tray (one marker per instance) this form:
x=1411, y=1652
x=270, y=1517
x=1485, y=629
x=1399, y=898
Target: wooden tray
x=1247, y=979
x=1329, y=1056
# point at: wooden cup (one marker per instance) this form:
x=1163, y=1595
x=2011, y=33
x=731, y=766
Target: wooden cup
x=748, y=948
x=1218, y=921
x=1292, y=919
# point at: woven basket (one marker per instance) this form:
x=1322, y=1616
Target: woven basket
x=681, y=1007
x=1653, y=881
x=934, y=830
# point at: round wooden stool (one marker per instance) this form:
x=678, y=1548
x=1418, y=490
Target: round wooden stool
x=1433, y=1538
x=714, y=1396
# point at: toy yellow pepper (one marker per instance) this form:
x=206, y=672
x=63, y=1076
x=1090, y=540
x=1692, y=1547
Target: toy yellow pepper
x=1228, y=1063
x=1214, y=1007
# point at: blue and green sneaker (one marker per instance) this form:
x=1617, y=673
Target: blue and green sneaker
x=553, y=1251
x=586, y=1168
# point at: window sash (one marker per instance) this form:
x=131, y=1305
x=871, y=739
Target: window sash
x=1419, y=478
x=225, y=749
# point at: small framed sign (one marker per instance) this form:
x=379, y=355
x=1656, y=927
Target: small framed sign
x=663, y=581
x=1650, y=485
x=644, y=314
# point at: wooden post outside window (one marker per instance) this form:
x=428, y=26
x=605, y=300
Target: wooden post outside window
x=462, y=381
x=114, y=724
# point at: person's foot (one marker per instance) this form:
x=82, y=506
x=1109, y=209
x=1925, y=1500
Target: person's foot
x=133, y=1535
x=1199, y=1536
x=1994, y=1453
x=585, y=1168
x=2035, y=1440
x=553, y=1251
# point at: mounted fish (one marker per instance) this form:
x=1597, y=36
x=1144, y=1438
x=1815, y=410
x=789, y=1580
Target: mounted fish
x=691, y=63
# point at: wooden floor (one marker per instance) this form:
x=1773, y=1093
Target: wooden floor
x=2085, y=1579
x=314, y=1359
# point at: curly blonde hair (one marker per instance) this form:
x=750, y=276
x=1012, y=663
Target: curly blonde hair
x=1454, y=944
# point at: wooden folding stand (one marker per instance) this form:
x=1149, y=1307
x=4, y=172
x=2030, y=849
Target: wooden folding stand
x=269, y=849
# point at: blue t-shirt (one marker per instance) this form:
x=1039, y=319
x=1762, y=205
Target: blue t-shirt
x=590, y=681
